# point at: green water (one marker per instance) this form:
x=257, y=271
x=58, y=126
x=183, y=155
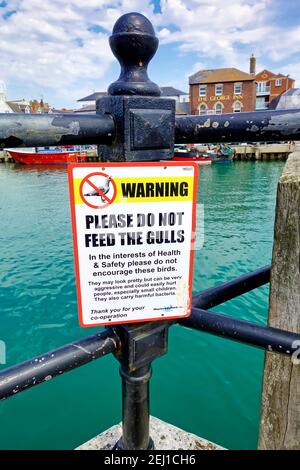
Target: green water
x=207, y=385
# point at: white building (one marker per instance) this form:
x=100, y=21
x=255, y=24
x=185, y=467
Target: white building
x=19, y=106
x=181, y=98
x=13, y=106
x=89, y=102
x=4, y=107
x=174, y=94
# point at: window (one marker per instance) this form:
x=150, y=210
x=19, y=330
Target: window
x=219, y=89
x=261, y=87
x=278, y=82
x=238, y=88
x=261, y=103
x=237, y=107
x=218, y=108
x=202, y=109
x=202, y=90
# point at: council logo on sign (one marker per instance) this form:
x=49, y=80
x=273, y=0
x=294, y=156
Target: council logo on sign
x=98, y=190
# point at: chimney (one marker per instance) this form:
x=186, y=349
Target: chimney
x=253, y=64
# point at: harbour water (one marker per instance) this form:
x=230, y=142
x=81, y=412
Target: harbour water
x=206, y=385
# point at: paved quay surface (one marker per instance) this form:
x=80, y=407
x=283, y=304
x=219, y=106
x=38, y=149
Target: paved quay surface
x=165, y=436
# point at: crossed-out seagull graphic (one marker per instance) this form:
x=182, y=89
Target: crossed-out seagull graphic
x=103, y=188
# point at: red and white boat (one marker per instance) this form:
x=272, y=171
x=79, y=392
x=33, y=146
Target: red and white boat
x=60, y=156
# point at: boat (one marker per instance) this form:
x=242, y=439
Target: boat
x=55, y=156
x=185, y=154
x=221, y=159
x=223, y=154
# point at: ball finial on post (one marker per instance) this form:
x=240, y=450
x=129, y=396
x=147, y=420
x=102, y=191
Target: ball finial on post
x=133, y=42
x=144, y=122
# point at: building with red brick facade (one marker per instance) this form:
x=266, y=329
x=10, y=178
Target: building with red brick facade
x=269, y=86
x=217, y=91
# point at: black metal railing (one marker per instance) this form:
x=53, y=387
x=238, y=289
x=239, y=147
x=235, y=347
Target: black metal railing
x=21, y=130
x=124, y=120
x=47, y=366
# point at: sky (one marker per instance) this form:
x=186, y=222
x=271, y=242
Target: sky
x=58, y=49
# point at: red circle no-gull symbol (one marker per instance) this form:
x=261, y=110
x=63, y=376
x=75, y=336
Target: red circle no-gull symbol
x=98, y=190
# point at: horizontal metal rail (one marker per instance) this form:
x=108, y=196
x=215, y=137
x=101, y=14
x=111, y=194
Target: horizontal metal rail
x=217, y=295
x=265, y=337
x=270, y=339
x=54, y=363
x=259, y=126
x=40, y=369
x=42, y=130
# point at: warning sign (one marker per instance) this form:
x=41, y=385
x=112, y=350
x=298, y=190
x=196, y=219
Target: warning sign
x=133, y=229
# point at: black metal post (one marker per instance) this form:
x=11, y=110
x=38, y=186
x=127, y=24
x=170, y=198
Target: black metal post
x=136, y=409
x=141, y=344
x=144, y=121
x=144, y=132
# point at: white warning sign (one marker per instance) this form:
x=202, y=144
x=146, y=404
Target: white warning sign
x=133, y=231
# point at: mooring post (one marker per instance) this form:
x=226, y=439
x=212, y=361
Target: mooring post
x=144, y=125
x=280, y=417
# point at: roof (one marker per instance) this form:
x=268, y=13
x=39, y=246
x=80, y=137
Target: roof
x=94, y=96
x=165, y=91
x=182, y=108
x=21, y=102
x=271, y=75
x=288, y=100
x=170, y=91
x=291, y=92
x=280, y=75
x=17, y=107
x=264, y=72
x=61, y=111
x=219, y=76
x=14, y=107
x=89, y=109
